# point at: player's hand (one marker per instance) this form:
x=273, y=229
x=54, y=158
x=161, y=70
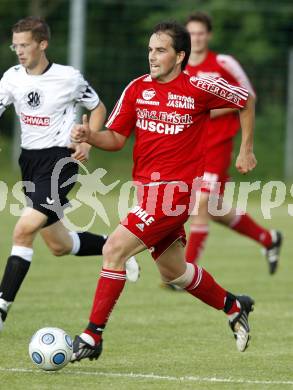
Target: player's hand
x=81, y=132
x=81, y=151
x=245, y=162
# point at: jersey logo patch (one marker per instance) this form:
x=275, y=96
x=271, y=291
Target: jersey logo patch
x=148, y=94
x=34, y=99
x=35, y=120
x=140, y=226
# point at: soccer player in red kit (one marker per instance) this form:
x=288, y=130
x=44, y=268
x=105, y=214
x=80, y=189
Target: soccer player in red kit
x=167, y=111
x=222, y=127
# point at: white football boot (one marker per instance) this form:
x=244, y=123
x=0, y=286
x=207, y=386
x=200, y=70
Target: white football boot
x=239, y=324
x=4, y=307
x=132, y=269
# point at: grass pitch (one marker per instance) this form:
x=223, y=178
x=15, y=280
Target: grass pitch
x=155, y=339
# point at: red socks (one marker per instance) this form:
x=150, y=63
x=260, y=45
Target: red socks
x=111, y=283
x=205, y=288
x=245, y=225
x=196, y=242
x=109, y=288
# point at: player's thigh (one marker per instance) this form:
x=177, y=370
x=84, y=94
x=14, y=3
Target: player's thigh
x=57, y=238
x=28, y=225
x=121, y=245
x=171, y=263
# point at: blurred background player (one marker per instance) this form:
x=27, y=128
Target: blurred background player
x=168, y=155
x=222, y=128
x=45, y=95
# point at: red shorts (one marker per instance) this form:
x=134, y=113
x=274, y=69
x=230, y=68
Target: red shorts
x=158, y=219
x=217, y=163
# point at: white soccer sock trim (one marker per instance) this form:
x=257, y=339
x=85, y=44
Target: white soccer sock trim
x=113, y=275
x=185, y=279
x=235, y=221
x=4, y=305
x=75, y=243
x=23, y=252
x=199, y=228
x=198, y=279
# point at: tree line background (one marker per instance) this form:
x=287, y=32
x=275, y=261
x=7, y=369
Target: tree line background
x=259, y=34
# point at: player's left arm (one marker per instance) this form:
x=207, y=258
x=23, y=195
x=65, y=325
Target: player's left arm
x=218, y=93
x=239, y=77
x=246, y=160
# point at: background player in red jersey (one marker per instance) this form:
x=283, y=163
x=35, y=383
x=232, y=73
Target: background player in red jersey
x=222, y=127
x=167, y=111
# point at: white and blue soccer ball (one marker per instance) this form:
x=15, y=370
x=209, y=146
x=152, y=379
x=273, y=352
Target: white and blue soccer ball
x=50, y=349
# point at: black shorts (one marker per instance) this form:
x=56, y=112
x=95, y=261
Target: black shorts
x=46, y=170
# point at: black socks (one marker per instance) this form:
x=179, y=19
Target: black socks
x=90, y=244
x=14, y=274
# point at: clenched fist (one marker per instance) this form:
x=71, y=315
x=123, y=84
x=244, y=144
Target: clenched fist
x=245, y=162
x=81, y=132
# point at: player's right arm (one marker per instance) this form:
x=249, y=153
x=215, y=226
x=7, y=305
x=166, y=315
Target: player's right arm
x=120, y=124
x=105, y=140
x=6, y=97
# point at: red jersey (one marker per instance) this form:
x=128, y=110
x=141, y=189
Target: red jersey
x=169, y=122
x=224, y=66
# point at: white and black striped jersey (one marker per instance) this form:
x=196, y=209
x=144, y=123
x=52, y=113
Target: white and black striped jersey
x=46, y=103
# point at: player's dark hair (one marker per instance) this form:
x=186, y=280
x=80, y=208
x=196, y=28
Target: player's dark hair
x=200, y=17
x=180, y=37
x=38, y=27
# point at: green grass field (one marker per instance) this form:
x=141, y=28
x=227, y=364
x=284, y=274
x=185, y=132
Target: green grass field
x=155, y=339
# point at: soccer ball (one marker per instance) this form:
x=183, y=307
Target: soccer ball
x=50, y=349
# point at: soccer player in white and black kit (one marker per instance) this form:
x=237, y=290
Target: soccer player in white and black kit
x=45, y=96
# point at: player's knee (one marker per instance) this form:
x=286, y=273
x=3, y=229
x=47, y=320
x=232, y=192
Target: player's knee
x=113, y=250
x=217, y=218
x=22, y=234
x=58, y=249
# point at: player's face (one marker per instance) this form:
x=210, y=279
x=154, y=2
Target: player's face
x=165, y=63
x=199, y=36
x=28, y=51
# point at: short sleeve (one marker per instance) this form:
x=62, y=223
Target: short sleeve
x=83, y=93
x=123, y=117
x=218, y=93
x=235, y=70
x=6, y=97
